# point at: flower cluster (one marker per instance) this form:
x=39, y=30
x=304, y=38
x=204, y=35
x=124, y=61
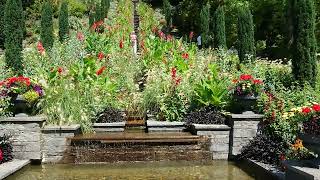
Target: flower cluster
x=176, y=80
x=246, y=85
x=21, y=86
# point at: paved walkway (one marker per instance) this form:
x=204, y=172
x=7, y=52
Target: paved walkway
x=11, y=167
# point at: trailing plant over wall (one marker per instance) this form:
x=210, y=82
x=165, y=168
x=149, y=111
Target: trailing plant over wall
x=246, y=44
x=47, y=37
x=13, y=30
x=304, y=42
x=63, y=21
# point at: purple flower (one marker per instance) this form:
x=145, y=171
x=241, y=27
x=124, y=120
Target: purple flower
x=39, y=90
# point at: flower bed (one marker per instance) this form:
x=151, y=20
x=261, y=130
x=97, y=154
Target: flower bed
x=5, y=149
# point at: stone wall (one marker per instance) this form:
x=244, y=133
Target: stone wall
x=244, y=128
x=218, y=137
x=55, y=142
x=25, y=136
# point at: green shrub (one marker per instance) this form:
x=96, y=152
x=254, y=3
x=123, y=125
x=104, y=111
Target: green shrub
x=47, y=25
x=166, y=9
x=99, y=14
x=304, y=42
x=2, y=6
x=246, y=46
x=105, y=5
x=63, y=21
x=13, y=31
x=91, y=18
x=219, y=28
x=77, y=8
x=204, y=25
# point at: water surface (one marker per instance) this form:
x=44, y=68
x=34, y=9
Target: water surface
x=220, y=170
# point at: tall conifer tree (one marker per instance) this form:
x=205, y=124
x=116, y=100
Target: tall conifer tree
x=63, y=21
x=204, y=25
x=219, y=28
x=47, y=37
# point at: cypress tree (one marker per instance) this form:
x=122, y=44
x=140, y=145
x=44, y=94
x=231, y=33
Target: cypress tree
x=2, y=5
x=219, y=28
x=13, y=36
x=304, y=42
x=246, y=46
x=47, y=25
x=22, y=17
x=63, y=21
x=105, y=5
x=204, y=25
x=98, y=15
x=166, y=8
x=91, y=18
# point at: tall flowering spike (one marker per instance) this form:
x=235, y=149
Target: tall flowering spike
x=191, y=35
x=100, y=55
x=121, y=44
x=80, y=36
x=173, y=73
x=100, y=71
x=40, y=48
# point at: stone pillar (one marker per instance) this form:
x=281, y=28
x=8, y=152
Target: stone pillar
x=244, y=128
x=55, y=142
x=218, y=136
x=25, y=135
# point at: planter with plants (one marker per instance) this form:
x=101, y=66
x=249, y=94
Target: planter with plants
x=24, y=94
x=245, y=93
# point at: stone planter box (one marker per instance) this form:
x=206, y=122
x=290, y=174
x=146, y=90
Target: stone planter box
x=312, y=142
x=109, y=127
x=164, y=126
x=55, y=143
x=218, y=135
x=25, y=132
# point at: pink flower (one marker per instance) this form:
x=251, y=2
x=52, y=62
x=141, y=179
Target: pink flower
x=100, y=55
x=161, y=35
x=1, y=155
x=41, y=49
x=191, y=35
x=169, y=37
x=80, y=36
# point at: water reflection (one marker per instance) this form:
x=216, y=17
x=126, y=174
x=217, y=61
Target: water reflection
x=220, y=170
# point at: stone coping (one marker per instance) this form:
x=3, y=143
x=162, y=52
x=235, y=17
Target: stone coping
x=310, y=138
x=23, y=119
x=8, y=168
x=64, y=128
x=210, y=127
x=109, y=125
x=261, y=170
x=304, y=168
x=248, y=115
x=153, y=123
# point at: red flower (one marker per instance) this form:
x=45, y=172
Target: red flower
x=178, y=81
x=245, y=77
x=121, y=44
x=1, y=155
x=100, y=71
x=100, y=55
x=41, y=49
x=96, y=25
x=282, y=157
x=161, y=35
x=185, y=56
x=257, y=81
x=235, y=81
x=306, y=110
x=60, y=70
x=169, y=37
x=173, y=73
x=316, y=107
x=80, y=36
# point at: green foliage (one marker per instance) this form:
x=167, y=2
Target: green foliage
x=47, y=37
x=13, y=30
x=167, y=11
x=91, y=18
x=99, y=13
x=77, y=7
x=204, y=24
x=219, y=28
x=2, y=6
x=213, y=91
x=246, y=44
x=105, y=5
x=63, y=21
x=304, y=42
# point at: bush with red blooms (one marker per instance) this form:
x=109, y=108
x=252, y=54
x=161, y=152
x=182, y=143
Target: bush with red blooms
x=247, y=85
x=311, y=123
x=5, y=149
